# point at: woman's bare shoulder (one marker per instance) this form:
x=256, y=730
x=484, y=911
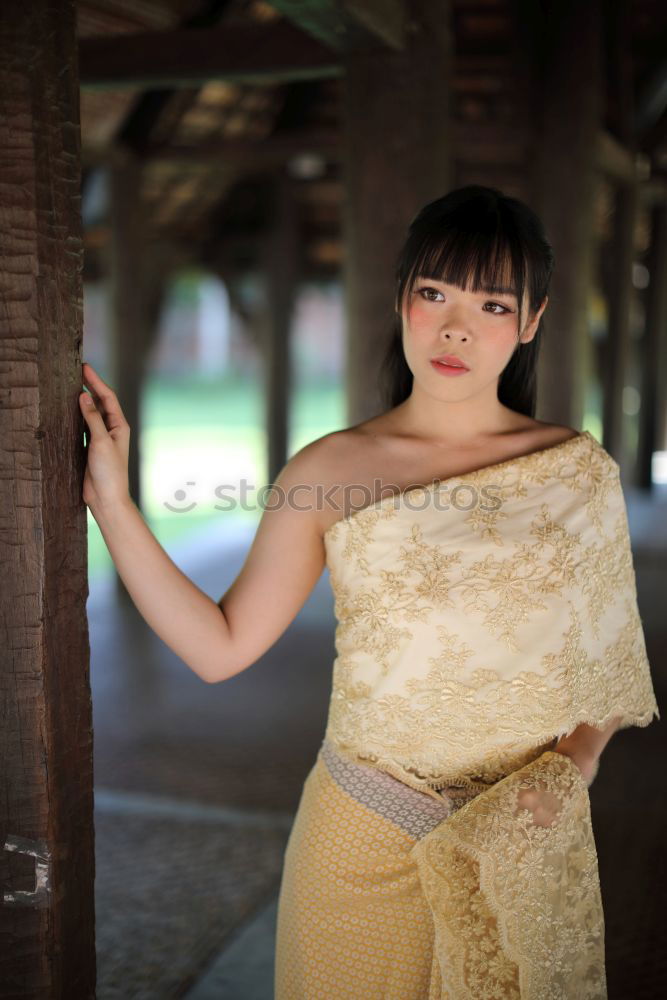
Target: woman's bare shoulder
x=333, y=456
x=324, y=471
x=545, y=434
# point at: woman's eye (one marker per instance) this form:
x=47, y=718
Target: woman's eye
x=427, y=289
x=497, y=305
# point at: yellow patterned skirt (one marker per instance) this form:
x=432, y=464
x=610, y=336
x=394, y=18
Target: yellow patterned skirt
x=389, y=894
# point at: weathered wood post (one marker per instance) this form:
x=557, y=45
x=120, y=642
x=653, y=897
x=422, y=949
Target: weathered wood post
x=138, y=271
x=397, y=156
x=564, y=184
x=653, y=410
x=47, y=916
x=280, y=252
x=619, y=345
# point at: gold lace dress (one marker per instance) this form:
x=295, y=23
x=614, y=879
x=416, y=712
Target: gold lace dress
x=479, y=619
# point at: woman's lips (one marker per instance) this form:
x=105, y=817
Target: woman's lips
x=444, y=369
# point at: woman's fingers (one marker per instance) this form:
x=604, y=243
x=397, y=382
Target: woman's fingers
x=105, y=399
x=105, y=480
x=543, y=805
x=93, y=417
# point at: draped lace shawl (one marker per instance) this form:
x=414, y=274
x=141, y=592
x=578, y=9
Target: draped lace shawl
x=484, y=616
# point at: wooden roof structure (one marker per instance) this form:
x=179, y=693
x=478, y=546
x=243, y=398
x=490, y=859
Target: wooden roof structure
x=214, y=96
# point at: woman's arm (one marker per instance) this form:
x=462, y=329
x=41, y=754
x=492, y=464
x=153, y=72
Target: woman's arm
x=176, y=609
x=585, y=744
x=216, y=640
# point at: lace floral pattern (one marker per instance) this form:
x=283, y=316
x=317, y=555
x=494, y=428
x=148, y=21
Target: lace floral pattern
x=467, y=638
x=516, y=905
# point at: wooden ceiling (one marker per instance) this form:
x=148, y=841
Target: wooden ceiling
x=215, y=97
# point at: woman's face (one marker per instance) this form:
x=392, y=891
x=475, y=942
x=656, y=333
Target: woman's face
x=479, y=328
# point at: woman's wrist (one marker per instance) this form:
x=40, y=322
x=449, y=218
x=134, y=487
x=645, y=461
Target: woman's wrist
x=585, y=744
x=111, y=512
x=587, y=762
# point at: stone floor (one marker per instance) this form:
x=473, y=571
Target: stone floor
x=196, y=786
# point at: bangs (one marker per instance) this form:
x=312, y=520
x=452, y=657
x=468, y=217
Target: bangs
x=478, y=255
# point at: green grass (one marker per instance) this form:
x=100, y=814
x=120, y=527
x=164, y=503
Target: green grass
x=209, y=433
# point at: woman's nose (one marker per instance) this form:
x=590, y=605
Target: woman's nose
x=451, y=334
x=455, y=324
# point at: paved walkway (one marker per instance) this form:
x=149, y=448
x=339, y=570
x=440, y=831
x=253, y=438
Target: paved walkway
x=196, y=788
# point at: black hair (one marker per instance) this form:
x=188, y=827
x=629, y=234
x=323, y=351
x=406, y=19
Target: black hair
x=477, y=234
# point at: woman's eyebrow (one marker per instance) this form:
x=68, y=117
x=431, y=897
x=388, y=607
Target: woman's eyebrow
x=498, y=290
x=484, y=290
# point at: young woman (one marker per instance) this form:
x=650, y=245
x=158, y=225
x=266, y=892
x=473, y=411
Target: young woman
x=488, y=640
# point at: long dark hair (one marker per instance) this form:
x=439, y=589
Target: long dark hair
x=475, y=233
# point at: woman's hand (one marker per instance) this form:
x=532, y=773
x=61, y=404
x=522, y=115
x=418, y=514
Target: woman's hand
x=542, y=804
x=105, y=481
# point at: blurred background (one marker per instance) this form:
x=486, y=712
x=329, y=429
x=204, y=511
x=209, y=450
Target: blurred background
x=248, y=172
x=202, y=412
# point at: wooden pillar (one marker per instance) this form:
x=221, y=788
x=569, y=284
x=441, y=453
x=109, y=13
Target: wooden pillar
x=281, y=272
x=127, y=272
x=564, y=195
x=653, y=409
x=617, y=430
x=618, y=344
x=47, y=917
x=396, y=157
x=136, y=288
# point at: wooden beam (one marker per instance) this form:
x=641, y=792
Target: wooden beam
x=271, y=151
x=471, y=143
x=153, y=105
x=47, y=859
x=348, y=25
x=386, y=19
x=267, y=53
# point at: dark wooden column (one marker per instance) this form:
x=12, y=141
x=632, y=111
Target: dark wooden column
x=128, y=276
x=564, y=194
x=620, y=293
x=618, y=344
x=136, y=288
x=47, y=917
x=397, y=156
x=281, y=271
x=653, y=410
